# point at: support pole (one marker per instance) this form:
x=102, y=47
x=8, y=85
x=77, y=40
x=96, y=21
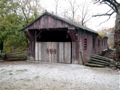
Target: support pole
x=35, y=45
x=82, y=57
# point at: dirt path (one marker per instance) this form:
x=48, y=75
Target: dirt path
x=46, y=76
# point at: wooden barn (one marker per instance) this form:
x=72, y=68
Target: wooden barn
x=55, y=39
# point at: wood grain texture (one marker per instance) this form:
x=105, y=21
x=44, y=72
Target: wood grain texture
x=61, y=52
x=36, y=51
x=53, y=52
x=67, y=50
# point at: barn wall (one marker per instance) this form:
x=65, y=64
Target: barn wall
x=101, y=44
x=53, y=52
x=86, y=53
x=105, y=43
x=48, y=22
x=77, y=44
x=95, y=50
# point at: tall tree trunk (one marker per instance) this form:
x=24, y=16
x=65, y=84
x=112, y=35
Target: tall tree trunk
x=117, y=35
x=1, y=46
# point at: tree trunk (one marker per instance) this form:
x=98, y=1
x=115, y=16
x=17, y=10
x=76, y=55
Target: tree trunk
x=1, y=46
x=117, y=35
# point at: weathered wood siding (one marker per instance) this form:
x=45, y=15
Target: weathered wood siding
x=99, y=44
x=53, y=52
x=63, y=52
x=90, y=49
x=48, y=22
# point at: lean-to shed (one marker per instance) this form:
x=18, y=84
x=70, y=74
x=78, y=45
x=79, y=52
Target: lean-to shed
x=55, y=39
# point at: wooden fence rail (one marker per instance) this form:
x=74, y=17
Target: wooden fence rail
x=14, y=56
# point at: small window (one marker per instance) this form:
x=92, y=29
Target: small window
x=85, y=44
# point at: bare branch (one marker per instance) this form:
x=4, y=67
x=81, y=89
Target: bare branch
x=111, y=6
x=105, y=20
x=111, y=3
x=74, y=7
x=97, y=1
x=56, y=6
x=109, y=11
x=106, y=14
x=116, y=2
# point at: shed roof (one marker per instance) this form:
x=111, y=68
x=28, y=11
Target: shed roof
x=69, y=22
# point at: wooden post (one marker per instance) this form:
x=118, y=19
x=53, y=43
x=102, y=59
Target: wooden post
x=82, y=57
x=35, y=47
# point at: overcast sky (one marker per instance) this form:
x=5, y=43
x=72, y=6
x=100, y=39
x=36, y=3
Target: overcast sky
x=93, y=23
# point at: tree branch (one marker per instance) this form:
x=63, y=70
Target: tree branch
x=106, y=14
x=111, y=3
x=116, y=2
x=105, y=20
x=111, y=6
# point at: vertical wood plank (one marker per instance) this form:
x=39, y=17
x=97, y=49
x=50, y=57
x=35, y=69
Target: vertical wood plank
x=74, y=53
x=42, y=51
x=39, y=51
x=49, y=57
x=45, y=52
x=54, y=52
x=67, y=52
x=36, y=50
x=61, y=59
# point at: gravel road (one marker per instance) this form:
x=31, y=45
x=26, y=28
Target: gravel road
x=23, y=75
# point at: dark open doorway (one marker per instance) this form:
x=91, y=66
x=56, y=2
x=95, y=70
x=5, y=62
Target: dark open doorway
x=54, y=35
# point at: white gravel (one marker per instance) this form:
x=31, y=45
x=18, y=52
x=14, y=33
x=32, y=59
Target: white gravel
x=53, y=76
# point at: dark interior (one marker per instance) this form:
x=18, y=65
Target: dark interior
x=53, y=36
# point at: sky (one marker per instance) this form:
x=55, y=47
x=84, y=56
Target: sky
x=94, y=9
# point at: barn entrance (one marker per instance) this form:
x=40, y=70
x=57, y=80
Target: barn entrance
x=53, y=45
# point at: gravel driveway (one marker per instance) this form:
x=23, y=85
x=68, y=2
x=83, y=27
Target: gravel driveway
x=24, y=75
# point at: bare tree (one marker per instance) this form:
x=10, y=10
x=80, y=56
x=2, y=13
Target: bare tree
x=115, y=8
x=56, y=6
x=79, y=12
x=73, y=7
x=84, y=13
